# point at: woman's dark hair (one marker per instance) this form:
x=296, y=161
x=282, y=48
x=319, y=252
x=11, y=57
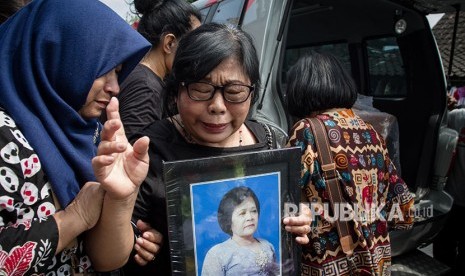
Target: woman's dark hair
x=8, y=8
x=318, y=82
x=229, y=202
x=202, y=50
x=159, y=17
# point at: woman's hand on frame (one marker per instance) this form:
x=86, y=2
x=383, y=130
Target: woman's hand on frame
x=148, y=244
x=300, y=225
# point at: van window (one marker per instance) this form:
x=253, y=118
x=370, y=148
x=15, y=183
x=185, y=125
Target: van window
x=339, y=50
x=204, y=13
x=386, y=68
x=228, y=11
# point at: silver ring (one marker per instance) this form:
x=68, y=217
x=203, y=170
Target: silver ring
x=153, y=259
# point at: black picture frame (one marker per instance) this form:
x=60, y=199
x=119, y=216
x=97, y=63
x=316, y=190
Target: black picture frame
x=195, y=187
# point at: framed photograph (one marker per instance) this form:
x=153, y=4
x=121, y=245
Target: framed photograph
x=225, y=213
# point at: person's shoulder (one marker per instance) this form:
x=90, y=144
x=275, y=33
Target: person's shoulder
x=263, y=241
x=136, y=74
x=299, y=129
x=139, y=71
x=263, y=132
x=300, y=123
x=253, y=124
x=141, y=76
x=147, y=75
x=266, y=244
x=157, y=130
x=220, y=247
x=257, y=129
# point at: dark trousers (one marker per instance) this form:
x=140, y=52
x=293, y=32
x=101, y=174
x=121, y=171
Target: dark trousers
x=449, y=245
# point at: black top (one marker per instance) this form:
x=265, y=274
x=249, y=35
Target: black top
x=167, y=144
x=140, y=99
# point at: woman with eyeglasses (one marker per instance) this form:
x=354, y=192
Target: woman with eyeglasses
x=212, y=86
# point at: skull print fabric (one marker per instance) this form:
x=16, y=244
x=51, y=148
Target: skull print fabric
x=28, y=233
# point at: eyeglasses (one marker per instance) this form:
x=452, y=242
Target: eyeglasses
x=204, y=91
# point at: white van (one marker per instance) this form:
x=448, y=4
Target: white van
x=392, y=54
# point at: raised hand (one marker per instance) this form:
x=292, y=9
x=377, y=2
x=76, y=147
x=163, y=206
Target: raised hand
x=119, y=167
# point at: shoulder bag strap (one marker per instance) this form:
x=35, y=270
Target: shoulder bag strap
x=331, y=177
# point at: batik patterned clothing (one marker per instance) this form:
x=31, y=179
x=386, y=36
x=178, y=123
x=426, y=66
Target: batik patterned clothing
x=28, y=231
x=379, y=198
